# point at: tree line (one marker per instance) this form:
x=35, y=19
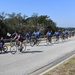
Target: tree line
x=23, y=23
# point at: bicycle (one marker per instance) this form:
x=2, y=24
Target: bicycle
x=34, y=41
x=62, y=37
x=15, y=46
x=4, y=48
x=49, y=40
x=56, y=38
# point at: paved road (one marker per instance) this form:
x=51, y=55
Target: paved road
x=34, y=58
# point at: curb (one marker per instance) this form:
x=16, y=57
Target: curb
x=56, y=65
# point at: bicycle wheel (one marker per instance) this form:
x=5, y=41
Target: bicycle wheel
x=47, y=41
x=32, y=43
x=23, y=47
x=5, y=48
x=13, y=48
x=0, y=50
x=38, y=41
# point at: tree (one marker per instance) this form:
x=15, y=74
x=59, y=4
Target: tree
x=24, y=23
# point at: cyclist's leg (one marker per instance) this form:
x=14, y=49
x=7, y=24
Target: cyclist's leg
x=50, y=39
x=56, y=37
x=63, y=37
x=35, y=41
x=20, y=46
x=21, y=41
x=28, y=39
x=66, y=35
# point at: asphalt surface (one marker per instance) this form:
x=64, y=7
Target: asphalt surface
x=36, y=59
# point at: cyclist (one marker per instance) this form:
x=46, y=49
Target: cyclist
x=66, y=32
x=63, y=35
x=57, y=35
x=70, y=33
x=28, y=36
x=49, y=36
x=18, y=37
x=1, y=42
x=36, y=35
x=73, y=32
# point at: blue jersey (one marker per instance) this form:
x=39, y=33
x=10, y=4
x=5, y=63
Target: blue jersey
x=49, y=34
x=72, y=31
x=66, y=31
x=38, y=33
x=56, y=33
x=1, y=44
x=35, y=33
x=63, y=32
x=28, y=35
x=22, y=37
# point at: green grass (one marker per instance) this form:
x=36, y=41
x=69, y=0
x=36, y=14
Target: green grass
x=66, y=68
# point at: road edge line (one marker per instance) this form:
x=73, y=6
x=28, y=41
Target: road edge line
x=57, y=65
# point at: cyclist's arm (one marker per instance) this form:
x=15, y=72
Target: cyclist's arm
x=14, y=37
x=18, y=37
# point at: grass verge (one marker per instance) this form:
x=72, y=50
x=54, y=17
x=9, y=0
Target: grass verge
x=66, y=68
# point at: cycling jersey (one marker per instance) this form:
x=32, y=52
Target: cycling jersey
x=19, y=37
x=28, y=35
x=56, y=33
x=63, y=33
x=66, y=31
x=72, y=31
x=38, y=33
x=1, y=44
x=49, y=34
x=35, y=34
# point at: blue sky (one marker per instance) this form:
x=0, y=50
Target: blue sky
x=60, y=11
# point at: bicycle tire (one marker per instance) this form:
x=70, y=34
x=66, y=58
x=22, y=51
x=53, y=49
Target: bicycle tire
x=32, y=43
x=38, y=41
x=13, y=47
x=5, y=48
x=47, y=41
x=24, y=47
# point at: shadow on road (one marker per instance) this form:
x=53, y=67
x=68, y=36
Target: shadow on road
x=33, y=51
x=4, y=52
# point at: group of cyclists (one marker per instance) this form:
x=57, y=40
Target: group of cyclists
x=36, y=34
x=64, y=34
